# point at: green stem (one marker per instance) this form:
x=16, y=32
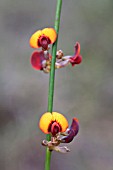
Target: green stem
x=52, y=77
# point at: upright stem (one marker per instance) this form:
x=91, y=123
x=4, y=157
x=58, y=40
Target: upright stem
x=52, y=77
x=54, y=49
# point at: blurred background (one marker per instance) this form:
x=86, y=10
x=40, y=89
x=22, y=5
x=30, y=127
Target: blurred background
x=84, y=91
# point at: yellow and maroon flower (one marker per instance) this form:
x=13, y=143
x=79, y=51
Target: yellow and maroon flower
x=41, y=60
x=53, y=123
x=42, y=38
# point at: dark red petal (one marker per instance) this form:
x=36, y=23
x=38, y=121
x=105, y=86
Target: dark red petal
x=77, y=51
x=77, y=48
x=72, y=132
x=55, y=128
x=36, y=60
x=43, y=42
x=76, y=60
x=75, y=126
x=69, y=138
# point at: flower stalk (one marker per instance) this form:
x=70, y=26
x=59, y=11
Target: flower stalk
x=52, y=77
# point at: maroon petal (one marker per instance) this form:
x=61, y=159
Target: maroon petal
x=77, y=48
x=76, y=60
x=75, y=126
x=77, y=51
x=36, y=60
x=69, y=138
x=72, y=132
x=55, y=128
x=43, y=42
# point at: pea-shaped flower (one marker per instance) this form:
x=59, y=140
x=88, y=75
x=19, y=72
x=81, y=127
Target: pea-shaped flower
x=41, y=60
x=42, y=38
x=57, y=125
x=53, y=123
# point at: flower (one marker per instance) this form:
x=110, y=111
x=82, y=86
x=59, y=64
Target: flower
x=41, y=60
x=53, y=123
x=42, y=38
x=56, y=124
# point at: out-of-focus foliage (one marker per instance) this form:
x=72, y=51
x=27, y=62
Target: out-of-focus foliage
x=85, y=91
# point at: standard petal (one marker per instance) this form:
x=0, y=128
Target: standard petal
x=45, y=121
x=59, y=118
x=34, y=39
x=50, y=33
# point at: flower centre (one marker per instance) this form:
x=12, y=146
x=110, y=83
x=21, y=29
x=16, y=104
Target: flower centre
x=44, y=42
x=54, y=128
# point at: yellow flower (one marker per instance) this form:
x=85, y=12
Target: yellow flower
x=42, y=38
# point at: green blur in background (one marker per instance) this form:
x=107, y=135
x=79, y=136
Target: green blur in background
x=84, y=91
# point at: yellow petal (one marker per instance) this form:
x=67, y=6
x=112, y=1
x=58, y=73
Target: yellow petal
x=59, y=118
x=34, y=39
x=45, y=121
x=50, y=33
